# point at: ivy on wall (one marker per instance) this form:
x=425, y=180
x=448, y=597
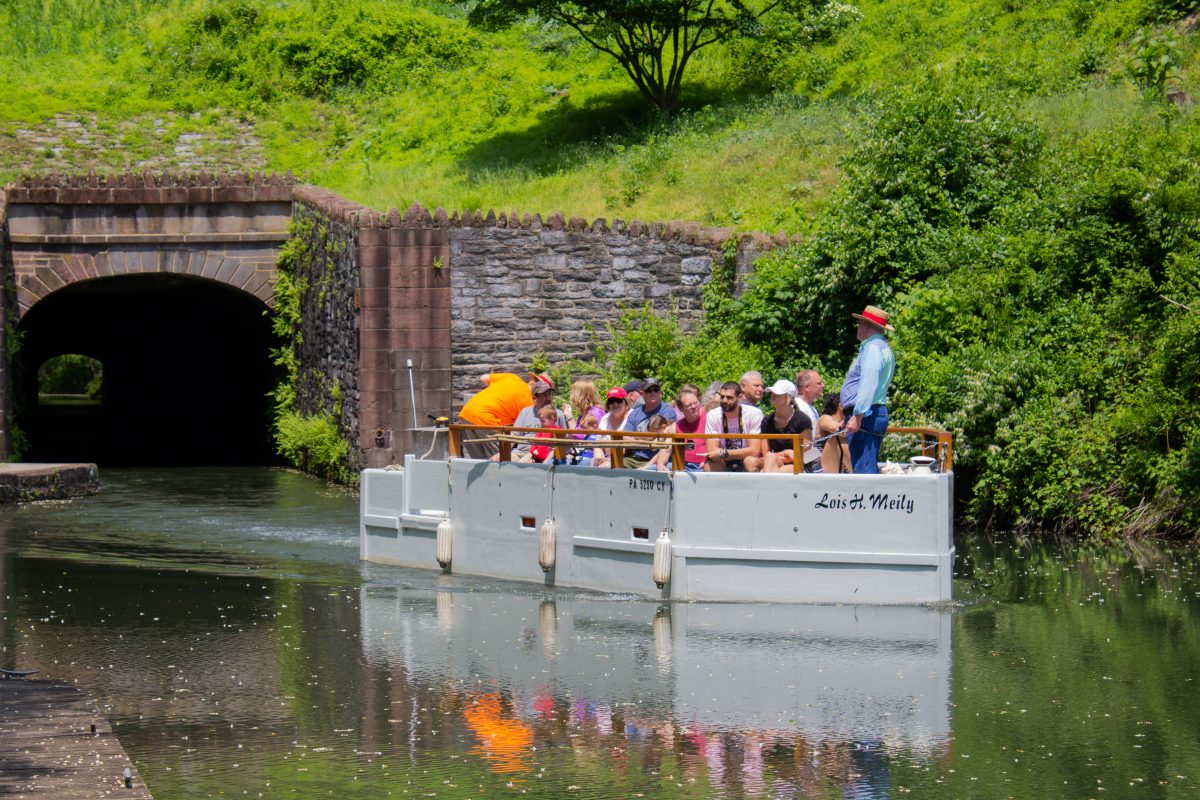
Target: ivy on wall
x=308, y=434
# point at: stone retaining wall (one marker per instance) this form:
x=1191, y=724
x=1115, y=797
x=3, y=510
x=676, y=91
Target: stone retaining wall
x=326, y=266
x=523, y=288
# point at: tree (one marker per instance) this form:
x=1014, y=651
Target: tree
x=652, y=40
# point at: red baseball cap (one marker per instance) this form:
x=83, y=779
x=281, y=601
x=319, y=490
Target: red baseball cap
x=616, y=393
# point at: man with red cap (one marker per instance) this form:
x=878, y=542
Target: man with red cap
x=864, y=394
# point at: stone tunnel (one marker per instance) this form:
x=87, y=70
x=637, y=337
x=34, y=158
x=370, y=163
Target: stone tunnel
x=167, y=281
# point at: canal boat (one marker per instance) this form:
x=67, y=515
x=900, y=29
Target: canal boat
x=671, y=535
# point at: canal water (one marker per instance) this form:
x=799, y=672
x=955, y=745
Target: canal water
x=222, y=620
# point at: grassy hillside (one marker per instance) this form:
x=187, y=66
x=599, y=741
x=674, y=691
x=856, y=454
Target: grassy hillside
x=530, y=118
x=1016, y=179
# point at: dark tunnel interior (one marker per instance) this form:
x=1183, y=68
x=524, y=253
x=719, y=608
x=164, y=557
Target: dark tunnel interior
x=186, y=365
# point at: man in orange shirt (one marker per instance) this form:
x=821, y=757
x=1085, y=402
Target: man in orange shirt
x=497, y=404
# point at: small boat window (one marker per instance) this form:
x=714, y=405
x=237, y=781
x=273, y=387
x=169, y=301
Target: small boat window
x=528, y=522
x=641, y=533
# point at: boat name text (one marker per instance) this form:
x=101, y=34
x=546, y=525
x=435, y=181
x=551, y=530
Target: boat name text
x=871, y=502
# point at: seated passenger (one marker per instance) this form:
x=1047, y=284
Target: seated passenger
x=690, y=420
x=541, y=453
x=616, y=410
x=586, y=455
x=639, y=418
x=835, y=457
x=657, y=446
x=530, y=416
x=585, y=400
x=778, y=454
x=733, y=454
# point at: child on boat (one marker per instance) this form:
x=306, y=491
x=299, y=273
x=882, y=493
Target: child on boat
x=548, y=416
x=587, y=456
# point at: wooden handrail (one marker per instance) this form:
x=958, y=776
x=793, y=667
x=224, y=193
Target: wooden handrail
x=936, y=443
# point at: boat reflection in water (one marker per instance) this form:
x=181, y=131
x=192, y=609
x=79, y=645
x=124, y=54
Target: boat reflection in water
x=752, y=696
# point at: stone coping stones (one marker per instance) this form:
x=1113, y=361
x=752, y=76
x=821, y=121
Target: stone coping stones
x=20, y=482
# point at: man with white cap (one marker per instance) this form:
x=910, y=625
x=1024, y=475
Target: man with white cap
x=864, y=394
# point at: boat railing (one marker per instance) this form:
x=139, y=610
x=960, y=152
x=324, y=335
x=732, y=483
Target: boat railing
x=935, y=443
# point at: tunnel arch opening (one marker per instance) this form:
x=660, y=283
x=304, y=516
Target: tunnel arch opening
x=186, y=365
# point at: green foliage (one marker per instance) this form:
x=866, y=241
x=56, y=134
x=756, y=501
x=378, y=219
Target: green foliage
x=267, y=51
x=71, y=374
x=652, y=40
x=1053, y=357
x=314, y=444
x=643, y=343
x=930, y=164
x=1154, y=62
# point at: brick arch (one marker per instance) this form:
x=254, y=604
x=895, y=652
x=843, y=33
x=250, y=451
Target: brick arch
x=65, y=229
x=250, y=271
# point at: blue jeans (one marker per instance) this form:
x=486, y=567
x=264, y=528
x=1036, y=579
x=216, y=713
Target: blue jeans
x=864, y=445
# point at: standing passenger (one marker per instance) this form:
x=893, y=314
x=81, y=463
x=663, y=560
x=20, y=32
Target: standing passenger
x=496, y=405
x=866, y=390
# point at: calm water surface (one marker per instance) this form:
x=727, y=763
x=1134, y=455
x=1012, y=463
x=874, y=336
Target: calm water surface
x=222, y=620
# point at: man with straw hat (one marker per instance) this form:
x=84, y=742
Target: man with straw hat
x=864, y=394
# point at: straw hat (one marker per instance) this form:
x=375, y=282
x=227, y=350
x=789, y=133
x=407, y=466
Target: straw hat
x=875, y=316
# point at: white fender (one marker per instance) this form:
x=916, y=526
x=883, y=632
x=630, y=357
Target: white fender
x=548, y=545
x=662, y=559
x=445, y=543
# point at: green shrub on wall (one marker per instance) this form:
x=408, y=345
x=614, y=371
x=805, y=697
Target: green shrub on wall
x=312, y=442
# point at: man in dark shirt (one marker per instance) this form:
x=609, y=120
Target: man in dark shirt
x=638, y=417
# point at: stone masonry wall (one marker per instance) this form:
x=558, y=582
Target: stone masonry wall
x=326, y=266
x=449, y=295
x=403, y=302
x=521, y=288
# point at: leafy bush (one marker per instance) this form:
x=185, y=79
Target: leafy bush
x=269, y=51
x=71, y=374
x=642, y=343
x=929, y=164
x=313, y=444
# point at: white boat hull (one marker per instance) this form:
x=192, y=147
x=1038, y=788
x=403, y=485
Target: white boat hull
x=880, y=539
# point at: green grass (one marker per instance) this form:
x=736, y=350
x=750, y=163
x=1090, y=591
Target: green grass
x=529, y=119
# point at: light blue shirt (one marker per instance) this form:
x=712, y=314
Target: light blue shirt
x=870, y=375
